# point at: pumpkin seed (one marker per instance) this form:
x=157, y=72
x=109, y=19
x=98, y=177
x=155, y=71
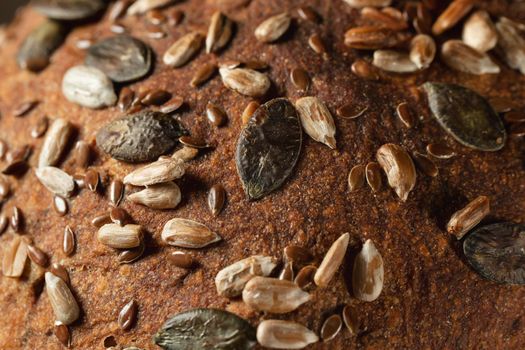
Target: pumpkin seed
x=122, y=58
x=68, y=9
x=188, y=234
x=183, y=50
x=231, y=280
x=55, y=142
x=331, y=261
x=368, y=273
x=64, y=305
x=467, y=218
x=497, y=252
x=205, y=329
x=268, y=148
x=317, y=120
x=219, y=32
x=277, y=334
x=399, y=168
x=161, y=171
x=245, y=81
x=140, y=137
x=466, y=116
x=273, y=28
x=88, y=87
x=56, y=181
x=161, y=196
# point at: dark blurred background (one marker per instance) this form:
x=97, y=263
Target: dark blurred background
x=8, y=8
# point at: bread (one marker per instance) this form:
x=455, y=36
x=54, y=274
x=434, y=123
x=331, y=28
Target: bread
x=431, y=298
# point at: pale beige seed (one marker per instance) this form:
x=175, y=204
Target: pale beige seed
x=368, y=273
x=366, y=3
x=219, y=32
x=55, y=142
x=62, y=301
x=394, y=61
x=273, y=295
x=331, y=261
x=277, y=334
x=452, y=15
x=56, y=180
x=356, y=178
x=467, y=218
x=163, y=170
x=15, y=257
x=188, y=234
x=273, y=28
x=120, y=237
x=245, y=81
x=479, y=32
x=317, y=120
x=422, y=50
x=186, y=153
x=143, y=6
x=459, y=56
x=231, y=280
x=160, y=196
x=183, y=50
x=511, y=44
x=399, y=168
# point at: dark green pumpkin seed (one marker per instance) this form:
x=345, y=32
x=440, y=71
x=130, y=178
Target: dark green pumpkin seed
x=140, y=137
x=36, y=50
x=466, y=116
x=68, y=9
x=497, y=252
x=206, y=329
x=121, y=57
x=268, y=148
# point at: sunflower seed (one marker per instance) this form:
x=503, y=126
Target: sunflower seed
x=203, y=74
x=405, y=115
x=40, y=128
x=373, y=176
x=496, y=252
x=422, y=20
x=316, y=120
x=399, y=168
x=467, y=116
x=511, y=44
x=268, y=148
x=68, y=9
x=62, y=300
x=425, y=164
x=366, y=3
x=122, y=58
x=231, y=280
x=368, y=273
x=300, y=79
x=373, y=38
x=61, y=332
x=356, y=178
x=479, y=32
x=219, y=32
x=331, y=327
x=17, y=219
x=273, y=295
x=88, y=87
x=140, y=137
x=56, y=181
x=37, y=256
x=183, y=50
x=467, y=218
x=452, y=15
x=422, y=50
x=216, y=199
x=55, y=142
x=245, y=81
x=60, y=205
x=331, y=262
x=128, y=315
x=384, y=18
x=15, y=256
x=305, y=276
x=316, y=43
x=216, y=115
x=120, y=237
x=101, y=220
x=394, y=61
x=186, y=153
x=205, y=328
x=143, y=6
x=161, y=196
x=350, y=319
x=182, y=260
x=440, y=151
x=273, y=28
x=36, y=50
x=277, y=334
x=130, y=255
x=365, y=70
x=186, y=233
x=68, y=243
x=60, y=271
x=249, y=111
x=308, y=14
x=163, y=170
x=287, y=273
x=463, y=58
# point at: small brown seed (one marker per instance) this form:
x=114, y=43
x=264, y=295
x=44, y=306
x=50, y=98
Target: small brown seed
x=126, y=98
x=426, y=165
x=203, y=74
x=299, y=256
x=255, y=65
x=92, y=180
x=287, y=273
x=510, y=117
x=316, y=43
x=440, y=151
x=452, y=15
x=188, y=234
x=373, y=176
x=130, y=255
x=60, y=271
x=16, y=219
x=119, y=216
x=368, y=273
x=116, y=192
x=193, y=142
x=216, y=199
x=399, y=168
x=383, y=18
x=24, y=108
x=37, y=256
x=118, y=28
x=68, y=245
x=364, y=70
x=15, y=257
x=4, y=222
x=405, y=115
x=5, y=188
x=331, y=327
x=64, y=305
x=349, y=111
x=216, y=115
x=277, y=334
x=3, y=149
x=368, y=3
x=423, y=19
x=350, y=319
x=173, y=105
x=467, y=218
x=101, y=220
x=40, y=128
x=120, y=237
x=79, y=180
x=300, y=79
x=248, y=111
x=183, y=50
x=305, y=276
x=175, y=17
x=82, y=154
x=273, y=28
x=517, y=129
x=19, y=154
x=356, y=178
x=374, y=38
x=60, y=205
x=181, y=259
x=331, y=262
x=308, y=14
x=128, y=315
x=156, y=98
x=156, y=17
x=61, y=332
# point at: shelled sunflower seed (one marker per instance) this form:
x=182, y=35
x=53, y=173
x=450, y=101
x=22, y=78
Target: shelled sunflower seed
x=277, y=334
x=317, y=120
x=188, y=234
x=64, y=304
x=120, y=237
x=511, y=44
x=219, y=32
x=68, y=10
x=245, y=81
x=88, y=87
x=459, y=56
x=422, y=50
x=183, y=50
x=56, y=180
x=231, y=280
x=160, y=196
x=273, y=28
x=368, y=273
x=479, y=32
x=143, y=6
x=394, y=61
x=399, y=168
x=55, y=142
x=365, y=3
x=455, y=11
x=332, y=261
x=15, y=257
x=464, y=220
x=163, y=170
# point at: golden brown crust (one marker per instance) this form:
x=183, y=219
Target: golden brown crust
x=431, y=299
